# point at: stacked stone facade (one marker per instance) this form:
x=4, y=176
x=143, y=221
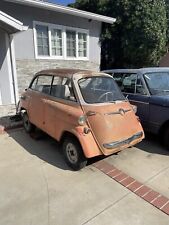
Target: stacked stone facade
x=27, y=68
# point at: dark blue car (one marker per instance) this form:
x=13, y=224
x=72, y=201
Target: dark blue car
x=148, y=89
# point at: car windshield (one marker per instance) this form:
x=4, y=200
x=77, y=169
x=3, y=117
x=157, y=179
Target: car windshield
x=158, y=82
x=100, y=90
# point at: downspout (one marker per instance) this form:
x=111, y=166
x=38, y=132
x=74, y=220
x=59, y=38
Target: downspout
x=10, y=37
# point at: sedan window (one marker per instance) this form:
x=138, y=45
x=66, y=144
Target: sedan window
x=158, y=82
x=130, y=83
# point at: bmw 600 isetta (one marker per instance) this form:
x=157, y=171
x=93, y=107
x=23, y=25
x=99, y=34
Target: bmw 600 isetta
x=85, y=111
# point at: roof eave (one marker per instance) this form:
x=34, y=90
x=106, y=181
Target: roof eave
x=64, y=9
x=15, y=25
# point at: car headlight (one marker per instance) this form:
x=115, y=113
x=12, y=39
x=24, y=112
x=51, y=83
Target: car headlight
x=82, y=120
x=134, y=108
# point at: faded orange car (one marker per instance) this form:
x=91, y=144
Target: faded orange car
x=83, y=110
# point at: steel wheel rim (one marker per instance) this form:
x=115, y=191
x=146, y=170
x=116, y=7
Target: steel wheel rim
x=71, y=153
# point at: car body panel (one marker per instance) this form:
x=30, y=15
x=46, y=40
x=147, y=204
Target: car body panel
x=107, y=121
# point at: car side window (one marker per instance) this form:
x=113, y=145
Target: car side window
x=140, y=89
x=62, y=88
x=42, y=84
x=118, y=77
x=130, y=83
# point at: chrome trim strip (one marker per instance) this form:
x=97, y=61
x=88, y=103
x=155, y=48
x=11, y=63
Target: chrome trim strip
x=146, y=103
x=117, y=112
x=116, y=144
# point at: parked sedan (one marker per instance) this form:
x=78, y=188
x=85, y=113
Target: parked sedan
x=85, y=111
x=148, y=89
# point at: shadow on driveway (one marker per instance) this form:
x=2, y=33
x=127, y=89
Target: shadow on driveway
x=44, y=147
x=40, y=145
x=152, y=145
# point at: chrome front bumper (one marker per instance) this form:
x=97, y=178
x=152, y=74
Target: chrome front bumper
x=127, y=141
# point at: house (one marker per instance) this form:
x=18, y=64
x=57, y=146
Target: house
x=164, y=62
x=35, y=35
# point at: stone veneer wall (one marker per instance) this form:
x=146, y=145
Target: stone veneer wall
x=27, y=68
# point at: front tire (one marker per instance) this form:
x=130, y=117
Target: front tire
x=73, y=154
x=166, y=138
x=29, y=127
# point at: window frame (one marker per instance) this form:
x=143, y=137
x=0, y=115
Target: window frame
x=64, y=41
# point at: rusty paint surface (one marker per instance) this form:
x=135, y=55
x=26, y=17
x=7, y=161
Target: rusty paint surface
x=109, y=122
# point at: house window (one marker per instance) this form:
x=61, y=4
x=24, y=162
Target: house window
x=71, y=43
x=55, y=41
x=82, y=44
x=42, y=40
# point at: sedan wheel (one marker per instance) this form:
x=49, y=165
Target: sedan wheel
x=166, y=138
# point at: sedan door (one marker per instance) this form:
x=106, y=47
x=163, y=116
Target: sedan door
x=133, y=87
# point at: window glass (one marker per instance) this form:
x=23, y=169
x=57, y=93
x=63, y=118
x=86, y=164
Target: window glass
x=43, y=84
x=118, y=77
x=100, y=90
x=62, y=88
x=33, y=85
x=56, y=38
x=51, y=42
x=42, y=40
x=82, y=44
x=140, y=89
x=130, y=83
x=71, y=43
x=158, y=82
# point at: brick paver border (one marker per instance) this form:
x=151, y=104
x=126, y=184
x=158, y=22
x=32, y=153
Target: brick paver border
x=141, y=190
x=4, y=130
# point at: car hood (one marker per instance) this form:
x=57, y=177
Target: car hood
x=162, y=100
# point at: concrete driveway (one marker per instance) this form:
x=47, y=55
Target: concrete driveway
x=37, y=188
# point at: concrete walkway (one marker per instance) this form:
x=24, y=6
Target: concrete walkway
x=37, y=188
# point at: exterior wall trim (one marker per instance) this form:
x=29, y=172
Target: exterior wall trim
x=12, y=22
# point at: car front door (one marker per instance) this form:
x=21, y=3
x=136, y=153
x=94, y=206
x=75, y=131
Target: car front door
x=134, y=88
x=60, y=108
x=40, y=89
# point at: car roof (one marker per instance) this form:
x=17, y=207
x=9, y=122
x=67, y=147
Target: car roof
x=141, y=70
x=66, y=72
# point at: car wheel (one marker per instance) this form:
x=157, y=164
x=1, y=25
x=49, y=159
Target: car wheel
x=166, y=138
x=73, y=154
x=29, y=127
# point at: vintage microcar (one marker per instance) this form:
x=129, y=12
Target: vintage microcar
x=85, y=111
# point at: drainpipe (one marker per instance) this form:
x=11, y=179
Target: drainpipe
x=10, y=38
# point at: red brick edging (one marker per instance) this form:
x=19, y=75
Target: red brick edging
x=3, y=129
x=141, y=190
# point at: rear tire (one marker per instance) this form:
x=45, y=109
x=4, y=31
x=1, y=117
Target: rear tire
x=166, y=138
x=29, y=127
x=73, y=154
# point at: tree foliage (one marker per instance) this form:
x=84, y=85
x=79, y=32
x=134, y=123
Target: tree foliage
x=138, y=38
